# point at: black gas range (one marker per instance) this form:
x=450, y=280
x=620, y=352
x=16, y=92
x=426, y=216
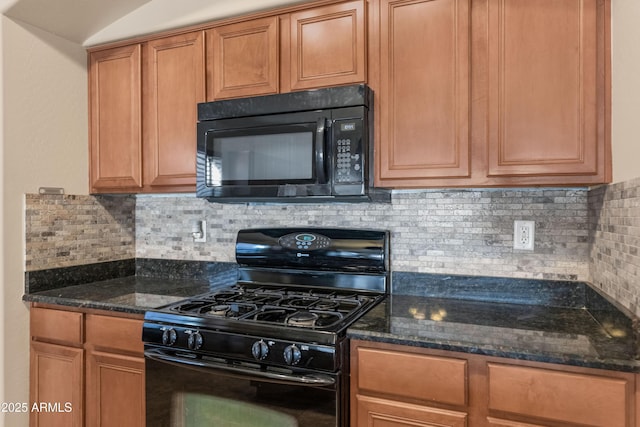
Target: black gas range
x=281, y=327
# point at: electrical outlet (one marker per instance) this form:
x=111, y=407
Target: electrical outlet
x=524, y=235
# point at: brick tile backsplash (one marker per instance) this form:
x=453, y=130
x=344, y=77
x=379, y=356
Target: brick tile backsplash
x=588, y=235
x=452, y=231
x=614, y=213
x=67, y=230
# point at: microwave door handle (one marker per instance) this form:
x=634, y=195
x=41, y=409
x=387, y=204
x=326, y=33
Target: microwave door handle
x=321, y=131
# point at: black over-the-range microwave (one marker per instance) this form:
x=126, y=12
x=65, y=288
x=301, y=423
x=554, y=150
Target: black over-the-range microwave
x=303, y=146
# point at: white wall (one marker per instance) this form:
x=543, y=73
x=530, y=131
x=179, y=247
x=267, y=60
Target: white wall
x=44, y=143
x=625, y=109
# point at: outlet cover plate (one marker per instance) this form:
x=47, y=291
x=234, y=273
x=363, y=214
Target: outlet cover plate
x=524, y=235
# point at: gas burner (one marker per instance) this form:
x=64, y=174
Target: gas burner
x=302, y=318
x=269, y=314
x=326, y=304
x=220, y=309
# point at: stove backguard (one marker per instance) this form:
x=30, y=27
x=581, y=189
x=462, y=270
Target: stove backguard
x=332, y=250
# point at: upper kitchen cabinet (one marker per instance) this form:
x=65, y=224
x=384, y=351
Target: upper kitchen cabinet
x=243, y=59
x=491, y=92
x=174, y=75
x=305, y=49
x=145, y=140
x=327, y=46
x=422, y=97
x=546, y=88
x=115, y=90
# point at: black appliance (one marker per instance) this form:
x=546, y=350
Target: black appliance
x=270, y=349
x=307, y=146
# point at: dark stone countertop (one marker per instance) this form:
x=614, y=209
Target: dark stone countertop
x=128, y=286
x=538, y=320
x=558, y=322
x=130, y=294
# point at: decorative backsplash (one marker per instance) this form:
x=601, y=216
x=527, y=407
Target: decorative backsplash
x=452, y=232
x=614, y=212
x=63, y=231
x=591, y=235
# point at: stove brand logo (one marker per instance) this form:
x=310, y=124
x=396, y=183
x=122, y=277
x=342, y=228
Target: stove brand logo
x=300, y=255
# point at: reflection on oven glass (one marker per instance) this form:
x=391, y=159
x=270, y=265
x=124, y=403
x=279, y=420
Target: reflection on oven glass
x=197, y=410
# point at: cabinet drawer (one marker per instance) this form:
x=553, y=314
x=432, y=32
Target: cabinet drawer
x=560, y=396
x=59, y=326
x=414, y=376
x=114, y=333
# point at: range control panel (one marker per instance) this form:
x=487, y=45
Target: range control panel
x=304, y=241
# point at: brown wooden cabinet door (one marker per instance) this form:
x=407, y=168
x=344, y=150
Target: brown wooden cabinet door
x=242, y=59
x=423, y=100
x=558, y=396
x=328, y=46
x=174, y=80
x=543, y=88
x=115, y=120
x=115, y=390
x=56, y=377
x=375, y=412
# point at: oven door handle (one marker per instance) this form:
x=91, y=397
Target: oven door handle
x=314, y=380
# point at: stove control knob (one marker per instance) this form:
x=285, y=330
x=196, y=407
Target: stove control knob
x=169, y=336
x=260, y=350
x=194, y=342
x=292, y=355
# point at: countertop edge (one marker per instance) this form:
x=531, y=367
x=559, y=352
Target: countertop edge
x=76, y=303
x=611, y=365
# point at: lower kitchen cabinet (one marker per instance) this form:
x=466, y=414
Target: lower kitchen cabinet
x=90, y=365
x=56, y=377
x=115, y=371
x=396, y=385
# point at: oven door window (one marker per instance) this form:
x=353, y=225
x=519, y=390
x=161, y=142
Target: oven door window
x=180, y=396
x=284, y=154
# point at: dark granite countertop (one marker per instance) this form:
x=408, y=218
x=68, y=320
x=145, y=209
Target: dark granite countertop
x=545, y=321
x=129, y=286
x=538, y=320
x=127, y=294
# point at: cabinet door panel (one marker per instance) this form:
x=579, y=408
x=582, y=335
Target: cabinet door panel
x=56, y=377
x=559, y=396
x=328, y=46
x=424, y=97
x=175, y=84
x=374, y=412
x=542, y=88
x=243, y=59
x=115, y=390
x=116, y=134
x=442, y=380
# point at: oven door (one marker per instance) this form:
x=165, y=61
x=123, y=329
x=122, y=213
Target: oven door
x=183, y=391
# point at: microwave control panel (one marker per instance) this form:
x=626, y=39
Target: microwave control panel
x=348, y=152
